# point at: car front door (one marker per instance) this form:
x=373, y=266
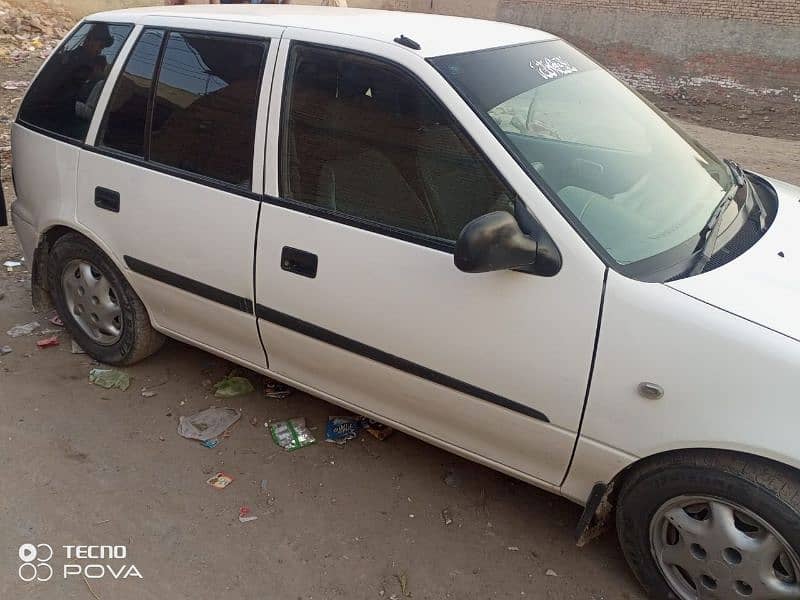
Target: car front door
x=170, y=182
x=357, y=294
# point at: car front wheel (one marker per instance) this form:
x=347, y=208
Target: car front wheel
x=712, y=525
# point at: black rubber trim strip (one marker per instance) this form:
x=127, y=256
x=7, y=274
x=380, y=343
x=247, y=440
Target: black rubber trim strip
x=591, y=375
x=189, y=285
x=404, y=235
x=329, y=337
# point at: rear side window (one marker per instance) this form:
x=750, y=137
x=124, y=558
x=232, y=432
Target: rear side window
x=205, y=106
x=64, y=96
x=124, y=125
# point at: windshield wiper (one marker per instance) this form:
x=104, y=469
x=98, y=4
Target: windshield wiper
x=710, y=231
x=736, y=171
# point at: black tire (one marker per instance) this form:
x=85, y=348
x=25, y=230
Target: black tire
x=138, y=339
x=768, y=489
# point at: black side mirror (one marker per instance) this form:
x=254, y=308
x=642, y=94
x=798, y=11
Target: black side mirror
x=494, y=242
x=499, y=241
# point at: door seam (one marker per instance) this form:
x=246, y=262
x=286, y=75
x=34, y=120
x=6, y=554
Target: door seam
x=589, y=381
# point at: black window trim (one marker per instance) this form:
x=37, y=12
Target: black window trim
x=58, y=136
x=174, y=171
x=154, y=166
x=406, y=235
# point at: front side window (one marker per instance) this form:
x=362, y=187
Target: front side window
x=125, y=123
x=63, y=98
x=363, y=139
x=635, y=183
x=205, y=106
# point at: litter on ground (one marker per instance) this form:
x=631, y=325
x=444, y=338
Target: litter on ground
x=210, y=443
x=48, y=342
x=220, y=481
x=76, y=349
x=276, y=389
x=5, y=350
x=207, y=424
x=110, y=379
x=23, y=329
x=246, y=515
x=56, y=320
x=377, y=430
x=341, y=430
x=232, y=386
x=292, y=434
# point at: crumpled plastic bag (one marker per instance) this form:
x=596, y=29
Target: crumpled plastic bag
x=207, y=424
x=24, y=329
x=110, y=378
x=230, y=386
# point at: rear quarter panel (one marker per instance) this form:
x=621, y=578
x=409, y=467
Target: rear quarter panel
x=45, y=172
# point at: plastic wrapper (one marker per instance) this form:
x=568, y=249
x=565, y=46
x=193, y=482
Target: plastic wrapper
x=292, y=434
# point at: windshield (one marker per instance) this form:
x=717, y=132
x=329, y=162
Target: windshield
x=634, y=182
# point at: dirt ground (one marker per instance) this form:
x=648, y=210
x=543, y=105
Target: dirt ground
x=90, y=466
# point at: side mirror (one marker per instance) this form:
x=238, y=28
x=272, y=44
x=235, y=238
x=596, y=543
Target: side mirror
x=494, y=242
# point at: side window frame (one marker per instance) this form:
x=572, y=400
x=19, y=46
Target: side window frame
x=285, y=63
x=105, y=100
x=266, y=73
x=108, y=84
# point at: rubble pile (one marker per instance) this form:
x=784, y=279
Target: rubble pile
x=31, y=28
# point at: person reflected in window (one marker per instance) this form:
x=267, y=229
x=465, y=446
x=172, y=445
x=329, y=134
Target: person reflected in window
x=81, y=70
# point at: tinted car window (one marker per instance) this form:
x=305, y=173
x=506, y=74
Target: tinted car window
x=125, y=120
x=363, y=138
x=205, y=106
x=64, y=96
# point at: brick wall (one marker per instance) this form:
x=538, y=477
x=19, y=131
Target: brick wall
x=737, y=52
x=777, y=12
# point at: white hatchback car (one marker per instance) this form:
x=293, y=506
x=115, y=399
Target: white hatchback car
x=466, y=229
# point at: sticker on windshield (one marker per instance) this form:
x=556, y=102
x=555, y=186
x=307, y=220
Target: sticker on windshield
x=550, y=67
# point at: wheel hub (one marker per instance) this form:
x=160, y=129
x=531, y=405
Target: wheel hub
x=92, y=302
x=707, y=547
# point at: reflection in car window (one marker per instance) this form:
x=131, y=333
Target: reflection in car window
x=125, y=120
x=637, y=184
x=362, y=138
x=63, y=98
x=205, y=106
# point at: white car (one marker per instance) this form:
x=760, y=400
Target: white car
x=465, y=229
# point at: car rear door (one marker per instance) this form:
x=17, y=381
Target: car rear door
x=170, y=181
x=370, y=179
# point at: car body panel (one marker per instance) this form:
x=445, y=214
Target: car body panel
x=45, y=172
x=728, y=383
x=763, y=284
x=495, y=331
x=381, y=26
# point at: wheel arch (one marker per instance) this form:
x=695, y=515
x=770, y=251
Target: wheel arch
x=599, y=511
x=40, y=291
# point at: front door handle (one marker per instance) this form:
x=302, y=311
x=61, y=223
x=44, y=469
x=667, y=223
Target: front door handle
x=299, y=261
x=106, y=199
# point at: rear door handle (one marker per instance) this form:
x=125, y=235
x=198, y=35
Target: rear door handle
x=299, y=261
x=106, y=199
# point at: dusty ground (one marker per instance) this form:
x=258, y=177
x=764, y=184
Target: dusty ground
x=89, y=466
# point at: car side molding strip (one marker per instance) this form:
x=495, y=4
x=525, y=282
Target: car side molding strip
x=189, y=285
x=340, y=341
x=324, y=335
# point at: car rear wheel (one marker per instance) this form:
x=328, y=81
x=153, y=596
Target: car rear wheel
x=718, y=525
x=98, y=306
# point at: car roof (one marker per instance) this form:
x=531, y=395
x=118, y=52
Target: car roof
x=437, y=34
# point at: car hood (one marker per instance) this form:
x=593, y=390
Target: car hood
x=763, y=284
